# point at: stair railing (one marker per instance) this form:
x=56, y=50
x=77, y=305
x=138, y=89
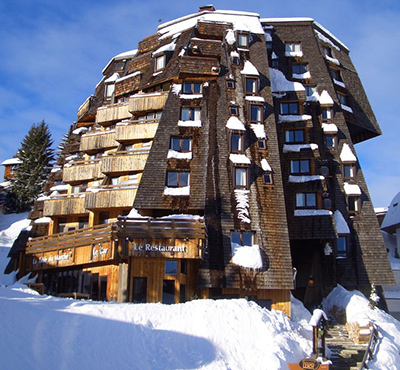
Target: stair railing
x=369, y=352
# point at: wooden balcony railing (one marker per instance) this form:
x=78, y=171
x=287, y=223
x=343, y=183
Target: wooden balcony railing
x=147, y=102
x=136, y=130
x=113, y=113
x=82, y=171
x=88, y=245
x=65, y=204
x=86, y=111
x=112, y=196
x=98, y=140
x=124, y=162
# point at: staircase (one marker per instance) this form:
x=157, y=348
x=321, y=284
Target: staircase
x=345, y=355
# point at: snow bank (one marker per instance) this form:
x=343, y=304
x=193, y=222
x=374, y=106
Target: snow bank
x=358, y=310
x=279, y=83
x=56, y=333
x=246, y=256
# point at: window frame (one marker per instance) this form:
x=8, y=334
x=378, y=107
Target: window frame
x=230, y=84
x=308, y=89
x=292, y=108
x=259, y=113
x=240, y=147
x=296, y=65
x=306, y=198
x=178, y=179
x=234, y=110
x=353, y=204
x=194, y=113
x=333, y=137
x=235, y=177
x=242, y=234
x=290, y=47
x=192, y=87
x=343, y=252
x=295, y=140
x=348, y=177
x=336, y=75
x=262, y=144
x=342, y=99
x=242, y=36
x=181, y=140
x=326, y=114
x=299, y=162
x=158, y=67
x=268, y=178
x=254, y=85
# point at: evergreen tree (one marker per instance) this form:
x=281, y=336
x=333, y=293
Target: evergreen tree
x=36, y=156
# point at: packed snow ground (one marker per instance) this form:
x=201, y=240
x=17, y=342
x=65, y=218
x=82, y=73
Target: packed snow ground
x=45, y=332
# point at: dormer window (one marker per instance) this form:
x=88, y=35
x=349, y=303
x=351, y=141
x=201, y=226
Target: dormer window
x=230, y=84
x=293, y=49
x=236, y=143
x=181, y=144
x=109, y=90
x=255, y=113
x=177, y=179
x=243, y=40
x=328, y=52
x=335, y=73
x=306, y=200
x=349, y=172
x=234, y=110
x=343, y=99
x=289, y=108
x=251, y=86
x=192, y=88
x=160, y=63
x=326, y=113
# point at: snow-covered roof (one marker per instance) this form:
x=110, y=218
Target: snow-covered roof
x=279, y=83
x=239, y=159
x=294, y=118
x=258, y=130
x=329, y=128
x=242, y=21
x=392, y=219
x=289, y=148
x=300, y=179
x=137, y=73
x=235, y=123
x=340, y=223
x=169, y=47
x=114, y=77
x=346, y=155
x=325, y=99
x=351, y=189
x=11, y=162
x=125, y=55
x=265, y=165
x=43, y=220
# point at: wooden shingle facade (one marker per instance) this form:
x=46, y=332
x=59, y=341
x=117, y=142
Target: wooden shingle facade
x=217, y=160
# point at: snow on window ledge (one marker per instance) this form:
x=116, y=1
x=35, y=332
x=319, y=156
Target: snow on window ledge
x=179, y=155
x=239, y=159
x=339, y=83
x=294, y=54
x=191, y=96
x=329, y=128
x=189, y=123
x=332, y=60
x=346, y=108
x=298, y=179
x=312, y=212
x=246, y=256
x=290, y=148
x=259, y=99
x=182, y=191
x=302, y=76
x=293, y=118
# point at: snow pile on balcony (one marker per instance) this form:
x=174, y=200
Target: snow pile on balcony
x=258, y=130
x=248, y=256
x=358, y=310
x=189, y=123
x=340, y=223
x=179, y=155
x=62, y=187
x=249, y=69
x=299, y=179
x=235, y=123
x=242, y=205
x=265, y=165
x=302, y=76
x=134, y=213
x=79, y=130
x=279, y=83
x=191, y=96
x=182, y=216
x=352, y=189
x=290, y=148
x=181, y=191
x=293, y=117
x=239, y=159
x=346, y=155
x=43, y=220
x=329, y=128
x=294, y=53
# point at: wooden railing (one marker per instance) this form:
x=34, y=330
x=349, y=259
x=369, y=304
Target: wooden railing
x=65, y=204
x=98, y=140
x=113, y=113
x=369, y=352
x=147, y=102
x=70, y=239
x=82, y=170
x=128, y=162
x=136, y=130
x=111, y=196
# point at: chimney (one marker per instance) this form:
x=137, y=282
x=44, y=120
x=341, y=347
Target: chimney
x=207, y=8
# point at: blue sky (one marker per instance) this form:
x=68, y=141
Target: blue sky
x=53, y=53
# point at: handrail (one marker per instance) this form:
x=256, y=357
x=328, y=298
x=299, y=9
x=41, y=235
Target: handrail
x=369, y=352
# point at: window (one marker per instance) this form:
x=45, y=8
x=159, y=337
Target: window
x=251, y=86
x=168, y=295
x=267, y=177
x=325, y=171
x=61, y=225
x=139, y=290
x=104, y=217
x=255, y=113
x=327, y=203
x=306, y=200
x=327, y=52
x=243, y=40
x=330, y=141
x=335, y=73
x=300, y=166
x=230, y=84
x=171, y=267
x=326, y=113
x=343, y=99
x=181, y=144
x=234, y=110
x=83, y=222
x=184, y=267
x=348, y=172
x=295, y=136
x=310, y=90
x=244, y=238
x=192, y=88
x=341, y=246
x=289, y=108
x=235, y=60
x=151, y=116
x=353, y=203
x=292, y=48
x=109, y=91
x=262, y=144
x=177, y=179
x=190, y=114
x=160, y=63
x=275, y=63
x=299, y=68
x=240, y=177
x=236, y=143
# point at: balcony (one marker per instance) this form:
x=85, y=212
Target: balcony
x=82, y=171
x=123, y=162
x=68, y=204
x=88, y=245
x=87, y=110
x=168, y=238
x=112, y=113
x=140, y=103
x=112, y=196
x=136, y=130
x=98, y=141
